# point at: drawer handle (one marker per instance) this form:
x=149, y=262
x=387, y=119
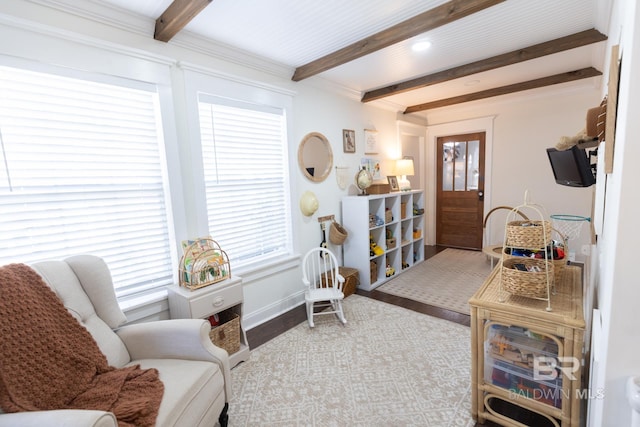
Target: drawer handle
x=218, y=301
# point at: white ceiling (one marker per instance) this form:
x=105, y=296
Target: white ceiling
x=295, y=32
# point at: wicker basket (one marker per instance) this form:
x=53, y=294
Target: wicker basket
x=388, y=216
x=227, y=334
x=526, y=283
x=558, y=264
x=351, y=280
x=373, y=271
x=337, y=233
x=528, y=234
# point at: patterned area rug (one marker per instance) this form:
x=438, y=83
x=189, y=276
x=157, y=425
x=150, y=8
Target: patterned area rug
x=388, y=366
x=446, y=280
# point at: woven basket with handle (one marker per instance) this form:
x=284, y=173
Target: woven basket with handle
x=227, y=334
x=532, y=284
x=337, y=233
x=528, y=234
x=558, y=264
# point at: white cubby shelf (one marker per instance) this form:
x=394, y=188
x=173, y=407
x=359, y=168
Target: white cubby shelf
x=400, y=234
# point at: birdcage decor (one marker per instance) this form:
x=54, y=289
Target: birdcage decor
x=203, y=263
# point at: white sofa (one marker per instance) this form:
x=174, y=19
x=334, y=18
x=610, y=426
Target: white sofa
x=195, y=373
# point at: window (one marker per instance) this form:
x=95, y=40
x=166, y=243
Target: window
x=244, y=149
x=82, y=171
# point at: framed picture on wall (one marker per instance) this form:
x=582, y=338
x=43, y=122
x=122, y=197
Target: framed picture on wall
x=612, y=108
x=393, y=183
x=372, y=165
x=370, y=141
x=349, y=140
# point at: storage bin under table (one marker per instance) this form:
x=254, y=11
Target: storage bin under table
x=499, y=378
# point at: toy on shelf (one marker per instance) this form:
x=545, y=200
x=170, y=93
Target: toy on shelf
x=416, y=210
x=375, y=221
x=390, y=271
x=375, y=250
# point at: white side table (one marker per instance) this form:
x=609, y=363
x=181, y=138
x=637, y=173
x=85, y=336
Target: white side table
x=204, y=302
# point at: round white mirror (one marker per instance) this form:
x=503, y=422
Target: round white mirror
x=315, y=157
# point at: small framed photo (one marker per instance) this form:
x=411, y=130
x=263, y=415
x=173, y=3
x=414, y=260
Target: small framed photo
x=349, y=140
x=393, y=183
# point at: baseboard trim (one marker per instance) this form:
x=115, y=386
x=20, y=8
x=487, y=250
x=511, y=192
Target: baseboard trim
x=271, y=311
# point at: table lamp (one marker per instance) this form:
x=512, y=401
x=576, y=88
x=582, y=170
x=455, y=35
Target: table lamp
x=404, y=168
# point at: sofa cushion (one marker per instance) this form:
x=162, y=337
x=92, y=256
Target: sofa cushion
x=64, y=282
x=192, y=390
x=95, y=278
x=60, y=417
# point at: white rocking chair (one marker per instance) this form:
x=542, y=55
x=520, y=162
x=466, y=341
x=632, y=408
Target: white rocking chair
x=324, y=284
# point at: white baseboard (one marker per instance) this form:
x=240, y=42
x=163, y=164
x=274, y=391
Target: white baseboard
x=271, y=311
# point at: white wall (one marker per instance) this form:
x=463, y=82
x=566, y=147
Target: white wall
x=524, y=126
x=618, y=290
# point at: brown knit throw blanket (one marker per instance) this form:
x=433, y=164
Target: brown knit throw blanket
x=48, y=360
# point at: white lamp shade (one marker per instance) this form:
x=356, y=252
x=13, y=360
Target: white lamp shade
x=404, y=167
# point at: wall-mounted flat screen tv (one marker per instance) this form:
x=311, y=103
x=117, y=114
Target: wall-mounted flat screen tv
x=571, y=167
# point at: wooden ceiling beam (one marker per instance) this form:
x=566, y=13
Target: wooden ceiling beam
x=561, y=44
x=504, y=90
x=426, y=21
x=176, y=17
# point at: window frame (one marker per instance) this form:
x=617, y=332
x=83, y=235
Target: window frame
x=166, y=150
x=199, y=80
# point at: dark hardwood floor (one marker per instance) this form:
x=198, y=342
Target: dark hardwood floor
x=272, y=328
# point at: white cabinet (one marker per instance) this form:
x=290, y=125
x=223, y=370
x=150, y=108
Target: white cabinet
x=395, y=223
x=204, y=302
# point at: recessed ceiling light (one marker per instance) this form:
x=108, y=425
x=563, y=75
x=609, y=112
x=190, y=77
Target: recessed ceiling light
x=421, y=46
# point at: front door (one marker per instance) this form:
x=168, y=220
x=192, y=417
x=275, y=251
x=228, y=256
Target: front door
x=460, y=190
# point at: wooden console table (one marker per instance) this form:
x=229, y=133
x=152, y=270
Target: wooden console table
x=505, y=327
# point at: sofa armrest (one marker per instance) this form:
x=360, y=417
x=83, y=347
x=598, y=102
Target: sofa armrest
x=61, y=417
x=186, y=339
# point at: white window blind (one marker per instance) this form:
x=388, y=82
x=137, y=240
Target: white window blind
x=81, y=171
x=246, y=178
